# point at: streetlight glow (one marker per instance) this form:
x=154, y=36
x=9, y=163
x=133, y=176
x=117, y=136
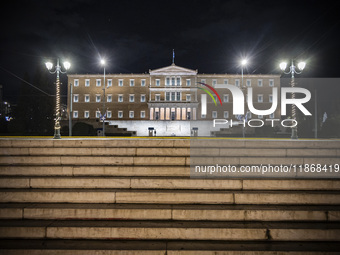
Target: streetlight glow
x=67, y=65
x=102, y=62
x=302, y=65
x=283, y=66
x=49, y=65
x=244, y=62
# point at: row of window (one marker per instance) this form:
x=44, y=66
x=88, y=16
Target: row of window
x=109, y=98
x=108, y=83
x=169, y=96
x=226, y=115
x=120, y=114
x=260, y=98
x=173, y=81
x=238, y=82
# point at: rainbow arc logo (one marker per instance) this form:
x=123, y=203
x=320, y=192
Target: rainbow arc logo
x=209, y=93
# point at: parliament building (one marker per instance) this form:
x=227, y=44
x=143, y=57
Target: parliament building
x=169, y=101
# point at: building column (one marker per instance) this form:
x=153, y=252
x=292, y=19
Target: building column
x=151, y=113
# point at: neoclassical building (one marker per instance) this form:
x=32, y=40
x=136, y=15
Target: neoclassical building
x=172, y=100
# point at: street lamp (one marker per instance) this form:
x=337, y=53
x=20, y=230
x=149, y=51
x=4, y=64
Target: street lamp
x=243, y=64
x=57, y=70
x=293, y=70
x=102, y=62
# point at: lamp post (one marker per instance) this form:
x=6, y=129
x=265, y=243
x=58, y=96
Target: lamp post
x=243, y=63
x=293, y=70
x=102, y=62
x=49, y=66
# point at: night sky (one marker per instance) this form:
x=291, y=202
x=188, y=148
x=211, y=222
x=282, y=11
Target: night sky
x=135, y=36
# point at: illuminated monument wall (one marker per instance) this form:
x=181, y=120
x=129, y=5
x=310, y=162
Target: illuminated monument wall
x=172, y=100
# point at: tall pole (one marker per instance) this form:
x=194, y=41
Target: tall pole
x=57, y=108
x=294, y=129
x=104, y=110
x=292, y=71
x=49, y=66
x=70, y=112
x=244, y=116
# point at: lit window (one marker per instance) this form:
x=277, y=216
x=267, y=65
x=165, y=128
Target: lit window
x=109, y=82
x=120, y=98
x=178, y=96
x=97, y=98
x=75, y=98
x=173, y=96
x=75, y=114
x=214, y=114
x=173, y=81
x=178, y=81
x=131, y=114
x=131, y=98
x=97, y=114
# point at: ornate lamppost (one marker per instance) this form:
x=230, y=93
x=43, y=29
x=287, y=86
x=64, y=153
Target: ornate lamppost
x=49, y=66
x=293, y=70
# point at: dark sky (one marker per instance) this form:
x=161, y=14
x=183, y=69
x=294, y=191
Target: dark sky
x=135, y=36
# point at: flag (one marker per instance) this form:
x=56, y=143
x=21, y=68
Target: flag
x=324, y=117
x=173, y=56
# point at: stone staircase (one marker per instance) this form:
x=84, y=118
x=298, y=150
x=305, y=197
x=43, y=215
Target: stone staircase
x=135, y=196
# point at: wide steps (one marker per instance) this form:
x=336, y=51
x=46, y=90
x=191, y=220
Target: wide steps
x=135, y=196
x=163, y=247
x=59, y=211
x=165, y=230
